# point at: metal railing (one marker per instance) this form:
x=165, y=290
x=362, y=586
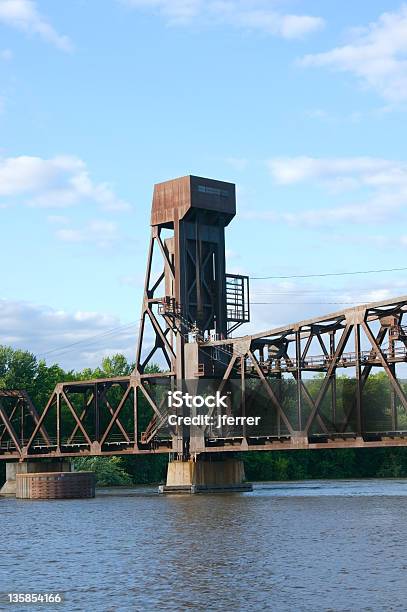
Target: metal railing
x=323, y=361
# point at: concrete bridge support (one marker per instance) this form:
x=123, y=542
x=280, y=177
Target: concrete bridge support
x=206, y=475
x=30, y=467
x=56, y=485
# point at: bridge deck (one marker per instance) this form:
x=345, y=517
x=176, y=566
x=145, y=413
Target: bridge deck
x=317, y=442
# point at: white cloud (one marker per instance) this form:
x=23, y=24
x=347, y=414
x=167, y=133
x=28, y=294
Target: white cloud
x=286, y=26
x=376, y=55
x=6, y=55
x=54, y=183
x=41, y=329
x=351, y=170
x=174, y=10
x=380, y=186
x=245, y=14
x=24, y=15
x=367, y=212
x=100, y=232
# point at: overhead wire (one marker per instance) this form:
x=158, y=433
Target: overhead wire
x=320, y=275
x=89, y=339
x=305, y=303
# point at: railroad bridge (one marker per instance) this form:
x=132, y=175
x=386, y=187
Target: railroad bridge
x=310, y=382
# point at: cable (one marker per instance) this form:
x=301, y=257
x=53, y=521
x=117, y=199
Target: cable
x=89, y=338
x=302, y=303
x=360, y=290
x=261, y=294
x=328, y=274
x=86, y=346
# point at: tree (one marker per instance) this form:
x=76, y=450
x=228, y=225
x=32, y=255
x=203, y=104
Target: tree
x=109, y=470
x=18, y=369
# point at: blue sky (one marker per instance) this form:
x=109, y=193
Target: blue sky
x=301, y=103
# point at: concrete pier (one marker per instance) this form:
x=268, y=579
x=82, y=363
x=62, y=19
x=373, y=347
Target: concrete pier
x=205, y=476
x=56, y=485
x=30, y=467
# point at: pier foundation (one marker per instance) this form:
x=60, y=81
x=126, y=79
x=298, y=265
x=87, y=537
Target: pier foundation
x=56, y=485
x=205, y=476
x=30, y=467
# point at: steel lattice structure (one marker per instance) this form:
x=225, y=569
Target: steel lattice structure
x=293, y=375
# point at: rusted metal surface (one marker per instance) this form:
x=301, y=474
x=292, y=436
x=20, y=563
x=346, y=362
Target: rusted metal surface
x=173, y=199
x=55, y=485
x=190, y=307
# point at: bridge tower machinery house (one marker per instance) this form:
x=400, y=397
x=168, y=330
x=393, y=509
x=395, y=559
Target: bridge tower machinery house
x=188, y=296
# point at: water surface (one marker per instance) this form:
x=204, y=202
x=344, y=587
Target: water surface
x=308, y=546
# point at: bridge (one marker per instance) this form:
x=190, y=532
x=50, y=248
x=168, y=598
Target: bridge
x=309, y=382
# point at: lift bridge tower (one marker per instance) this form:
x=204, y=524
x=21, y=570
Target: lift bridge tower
x=188, y=296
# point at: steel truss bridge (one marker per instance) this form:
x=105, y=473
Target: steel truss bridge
x=314, y=383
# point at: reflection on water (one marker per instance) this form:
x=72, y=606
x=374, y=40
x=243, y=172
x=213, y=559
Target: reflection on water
x=310, y=546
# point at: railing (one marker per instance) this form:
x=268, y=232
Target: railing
x=169, y=306
x=398, y=332
x=237, y=298
x=324, y=361
x=113, y=439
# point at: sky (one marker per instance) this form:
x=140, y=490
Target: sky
x=301, y=103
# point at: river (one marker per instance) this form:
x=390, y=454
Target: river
x=306, y=546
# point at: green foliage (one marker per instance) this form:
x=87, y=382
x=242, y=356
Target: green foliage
x=109, y=470
x=146, y=469
x=329, y=463
x=21, y=370
x=45, y=380
x=18, y=369
x=116, y=365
